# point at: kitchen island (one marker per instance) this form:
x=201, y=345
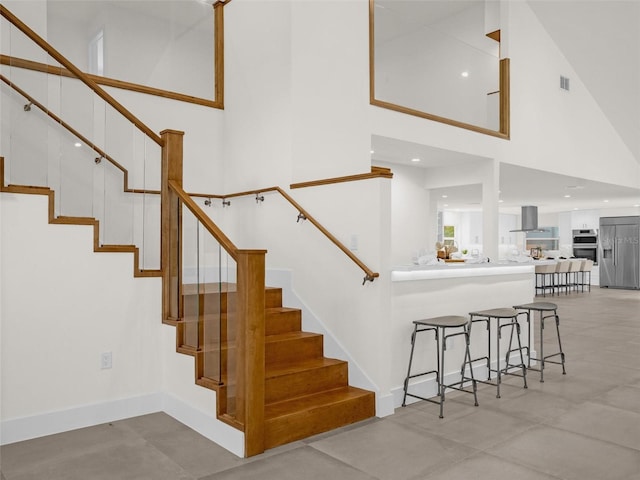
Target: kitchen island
x=450, y=289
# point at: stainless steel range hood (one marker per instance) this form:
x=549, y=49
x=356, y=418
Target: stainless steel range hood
x=529, y=220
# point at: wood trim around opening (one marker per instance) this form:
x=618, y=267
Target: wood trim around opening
x=504, y=87
x=62, y=60
x=217, y=102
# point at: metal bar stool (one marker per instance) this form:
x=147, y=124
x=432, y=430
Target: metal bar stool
x=575, y=266
x=503, y=318
x=587, y=266
x=562, y=275
x=440, y=325
x=544, y=278
x=546, y=310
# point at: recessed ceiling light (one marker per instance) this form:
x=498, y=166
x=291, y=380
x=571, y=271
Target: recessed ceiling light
x=445, y=196
x=606, y=201
x=576, y=208
x=446, y=205
x=500, y=201
x=77, y=144
x=465, y=74
x=567, y=196
x=415, y=159
x=637, y=205
x=372, y=151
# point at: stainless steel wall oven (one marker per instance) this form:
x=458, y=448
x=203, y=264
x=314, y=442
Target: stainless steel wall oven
x=585, y=244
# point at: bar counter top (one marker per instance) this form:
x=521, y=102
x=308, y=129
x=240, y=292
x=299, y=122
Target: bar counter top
x=442, y=270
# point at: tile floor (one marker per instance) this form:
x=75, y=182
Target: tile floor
x=585, y=425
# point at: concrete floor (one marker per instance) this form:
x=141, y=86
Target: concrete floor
x=585, y=425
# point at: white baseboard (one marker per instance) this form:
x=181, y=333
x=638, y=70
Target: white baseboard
x=27, y=428
x=206, y=424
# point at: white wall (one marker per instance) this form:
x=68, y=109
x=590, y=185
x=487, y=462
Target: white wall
x=329, y=74
x=62, y=306
x=410, y=206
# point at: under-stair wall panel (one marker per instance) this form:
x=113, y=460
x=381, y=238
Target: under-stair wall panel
x=63, y=307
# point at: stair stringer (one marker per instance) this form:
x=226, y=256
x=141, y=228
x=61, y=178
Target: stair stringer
x=62, y=220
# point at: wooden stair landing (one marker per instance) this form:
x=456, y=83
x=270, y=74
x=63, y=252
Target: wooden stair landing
x=306, y=393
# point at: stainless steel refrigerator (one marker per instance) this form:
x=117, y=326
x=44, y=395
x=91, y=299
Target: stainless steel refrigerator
x=619, y=252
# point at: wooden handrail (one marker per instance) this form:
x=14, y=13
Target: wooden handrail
x=108, y=82
x=203, y=218
x=79, y=136
x=370, y=275
x=4, y=11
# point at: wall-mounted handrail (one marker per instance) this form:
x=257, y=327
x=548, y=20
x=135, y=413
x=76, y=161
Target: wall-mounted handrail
x=370, y=275
x=4, y=11
x=79, y=136
x=203, y=218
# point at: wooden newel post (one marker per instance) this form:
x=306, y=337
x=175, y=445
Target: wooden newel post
x=171, y=228
x=250, y=348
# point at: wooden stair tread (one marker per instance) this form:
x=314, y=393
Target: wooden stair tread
x=274, y=310
x=215, y=316
x=311, y=402
x=213, y=287
x=289, y=336
x=195, y=288
x=288, y=368
x=302, y=417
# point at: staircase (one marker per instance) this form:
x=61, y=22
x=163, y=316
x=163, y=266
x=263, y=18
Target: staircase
x=305, y=392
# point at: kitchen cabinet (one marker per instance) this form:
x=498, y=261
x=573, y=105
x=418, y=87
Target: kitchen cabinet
x=582, y=219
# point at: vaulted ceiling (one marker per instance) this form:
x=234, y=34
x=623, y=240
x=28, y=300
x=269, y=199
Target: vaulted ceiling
x=601, y=40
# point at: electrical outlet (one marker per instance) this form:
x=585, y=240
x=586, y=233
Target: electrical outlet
x=106, y=360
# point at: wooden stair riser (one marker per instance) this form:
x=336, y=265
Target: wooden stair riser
x=282, y=321
x=209, y=331
x=282, y=350
x=317, y=419
x=214, y=327
x=216, y=302
x=305, y=382
x=279, y=349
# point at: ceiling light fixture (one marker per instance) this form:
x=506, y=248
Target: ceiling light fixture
x=77, y=144
x=606, y=201
x=465, y=74
x=415, y=159
x=372, y=151
x=567, y=196
x=445, y=196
